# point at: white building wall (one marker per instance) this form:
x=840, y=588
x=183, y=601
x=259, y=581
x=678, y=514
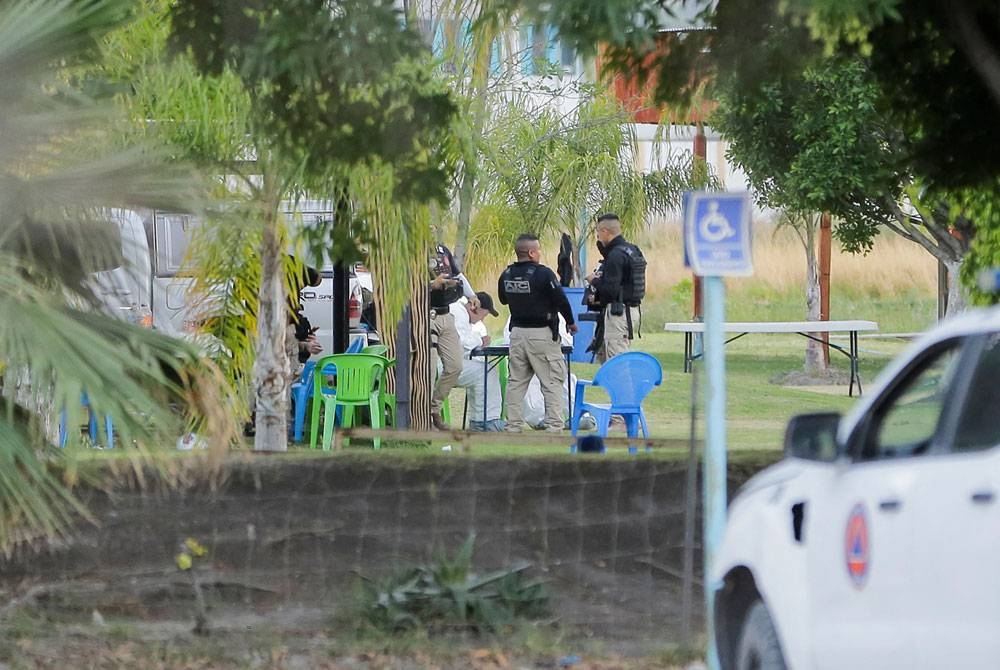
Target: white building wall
x=655, y=143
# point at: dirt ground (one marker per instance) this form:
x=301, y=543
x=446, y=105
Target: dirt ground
x=89, y=647
x=287, y=541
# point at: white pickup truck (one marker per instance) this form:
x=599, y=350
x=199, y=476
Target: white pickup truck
x=149, y=286
x=875, y=542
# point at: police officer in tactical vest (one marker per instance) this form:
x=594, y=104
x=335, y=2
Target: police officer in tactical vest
x=617, y=290
x=535, y=297
x=447, y=285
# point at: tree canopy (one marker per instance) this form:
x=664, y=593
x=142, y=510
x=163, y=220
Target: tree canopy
x=334, y=82
x=937, y=63
x=817, y=143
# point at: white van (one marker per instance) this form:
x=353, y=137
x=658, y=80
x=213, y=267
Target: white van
x=150, y=288
x=126, y=291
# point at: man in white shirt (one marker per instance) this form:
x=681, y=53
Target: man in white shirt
x=472, y=332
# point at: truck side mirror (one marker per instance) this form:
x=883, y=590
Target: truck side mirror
x=813, y=436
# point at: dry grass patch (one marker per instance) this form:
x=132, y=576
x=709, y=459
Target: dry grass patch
x=894, y=264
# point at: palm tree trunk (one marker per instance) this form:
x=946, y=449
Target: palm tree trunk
x=466, y=193
x=420, y=355
x=271, y=368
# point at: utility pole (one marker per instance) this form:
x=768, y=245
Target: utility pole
x=700, y=162
x=824, y=279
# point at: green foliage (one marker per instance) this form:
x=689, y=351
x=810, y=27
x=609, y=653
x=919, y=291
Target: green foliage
x=842, y=21
x=816, y=142
x=984, y=253
x=927, y=57
x=447, y=594
x=225, y=287
x=341, y=83
x=548, y=174
x=930, y=71
x=818, y=134
x=277, y=99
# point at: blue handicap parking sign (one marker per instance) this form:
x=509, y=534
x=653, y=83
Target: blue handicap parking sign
x=717, y=234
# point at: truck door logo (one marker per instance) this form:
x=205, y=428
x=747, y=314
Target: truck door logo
x=857, y=546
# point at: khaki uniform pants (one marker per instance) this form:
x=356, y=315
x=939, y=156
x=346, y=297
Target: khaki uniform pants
x=532, y=352
x=616, y=334
x=449, y=350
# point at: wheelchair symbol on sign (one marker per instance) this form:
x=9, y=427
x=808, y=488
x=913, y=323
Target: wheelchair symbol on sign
x=714, y=227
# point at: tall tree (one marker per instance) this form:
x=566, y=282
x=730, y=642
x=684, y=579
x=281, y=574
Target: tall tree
x=545, y=172
x=310, y=91
x=939, y=63
x=820, y=141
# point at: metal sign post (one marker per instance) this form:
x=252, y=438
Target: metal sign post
x=716, y=245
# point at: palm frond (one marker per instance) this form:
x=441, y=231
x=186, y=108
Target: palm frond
x=34, y=503
x=63, y=164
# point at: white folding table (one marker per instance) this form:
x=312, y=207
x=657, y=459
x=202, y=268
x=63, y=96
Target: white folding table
x=809, y=329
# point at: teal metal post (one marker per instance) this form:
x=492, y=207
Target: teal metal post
x=713, y=308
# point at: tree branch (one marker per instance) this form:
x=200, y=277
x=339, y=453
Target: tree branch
x=951, y=246
x=945, y=239
x=909, y=231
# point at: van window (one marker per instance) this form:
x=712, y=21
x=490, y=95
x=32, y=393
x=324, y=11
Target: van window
x=171, y=233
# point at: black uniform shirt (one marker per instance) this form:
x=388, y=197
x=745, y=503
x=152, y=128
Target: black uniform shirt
x=441, y=298
x=534, y=295
x=616, y=272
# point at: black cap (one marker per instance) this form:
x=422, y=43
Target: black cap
x=486, y=302
x=607, y=216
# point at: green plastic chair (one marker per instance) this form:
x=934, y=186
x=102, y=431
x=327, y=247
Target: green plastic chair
x=377, y=350
x=388, y=399
x=357, y=384
x=503, y=371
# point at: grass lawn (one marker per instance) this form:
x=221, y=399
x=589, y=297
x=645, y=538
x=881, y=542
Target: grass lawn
x=893, y=285
x=758, y=407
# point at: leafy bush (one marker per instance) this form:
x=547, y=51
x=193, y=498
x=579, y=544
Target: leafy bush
x=447, y=594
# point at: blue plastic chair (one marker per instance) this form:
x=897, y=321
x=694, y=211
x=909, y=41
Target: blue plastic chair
x=628, y=378
x=302, y=390
x=109, y=428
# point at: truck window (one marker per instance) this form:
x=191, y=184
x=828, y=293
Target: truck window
x=907, y=423
x=978, y=427
x=171, y=233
